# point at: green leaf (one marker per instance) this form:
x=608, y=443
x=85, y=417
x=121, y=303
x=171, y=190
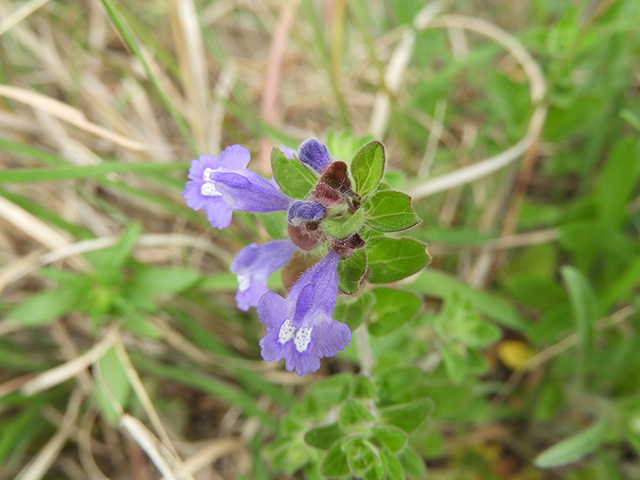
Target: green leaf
x=351, y=270
x=394, y=468
x=333, y=390
x=335, y=462
x=325, y=436
x=392, y=259
x=458, y=321
x=364, y=458
x=110, y=262
x=353, y=411
x=585, y=311
x=392, y=308
x=623, y=285
x=617, y=181
x=441, y=285
x=367, y=167
x=45, y=307
x=412, y=464
x=390, y=211
x=392, y=438
x=396, y=381
x=354, y=311
x=406, y=416
x=112, y=385
x=294, y=178
x=275, y=223
x=573, y=448
x=288, y=454
x=362, y=388
x=342, y=145
x=344, y=227
x=455, y=362
x=18, y=432
x=142, y=326
x=162, y=281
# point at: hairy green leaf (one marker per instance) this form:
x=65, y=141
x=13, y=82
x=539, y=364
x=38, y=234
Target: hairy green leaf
x=390, y=211
x=367, y=167
x=351, y=270
x=573, y=448
x=325, y=436
x=393, y=307
x=392, y=259
x=293, y=177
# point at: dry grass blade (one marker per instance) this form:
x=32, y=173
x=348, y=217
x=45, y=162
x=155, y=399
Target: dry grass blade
x=395, y=72
x=24, y=265
x=69, y=114
x=159, y=455
x=434, y=138
x=193, y=65
x=38, y=467
x=20, y=13
x=397, y=66
x=269, y=108
x=143, y=396
x=222, y=90
x=211, y=452
x=393, y=76
x=68, y=370
x=36, y=229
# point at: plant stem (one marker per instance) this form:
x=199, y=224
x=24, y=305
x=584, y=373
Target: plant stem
x=365, y=355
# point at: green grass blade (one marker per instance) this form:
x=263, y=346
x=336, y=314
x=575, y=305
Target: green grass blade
x=30, y=175
x=226, y=392
x=132, y=43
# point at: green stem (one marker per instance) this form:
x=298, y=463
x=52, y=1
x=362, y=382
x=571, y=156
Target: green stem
x=365, y=354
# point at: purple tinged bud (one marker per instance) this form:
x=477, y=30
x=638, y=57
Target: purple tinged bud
x=314, y=154
x=302, y=211
x=300, y=328
x=254, y=264
x=220, y=185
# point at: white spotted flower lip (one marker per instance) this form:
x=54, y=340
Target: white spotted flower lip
x=220, y=185
x=300, y=329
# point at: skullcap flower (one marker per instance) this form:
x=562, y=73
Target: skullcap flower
x=220, y=185
x=254, y=264
x=314, y=154
x=300, y=329
x=302, y=211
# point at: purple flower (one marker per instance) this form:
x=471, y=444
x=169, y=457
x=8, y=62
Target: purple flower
x=253, y=265
x=314, y=154
x=302, y=211
x=220, y=185
x=300, y=328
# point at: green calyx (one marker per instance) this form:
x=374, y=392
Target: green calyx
x=344, y=226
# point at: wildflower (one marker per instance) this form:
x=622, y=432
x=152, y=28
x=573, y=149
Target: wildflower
x=300, y=328
x=220, y=185
x=302, y=212
x=314, y=154
x=254, y=264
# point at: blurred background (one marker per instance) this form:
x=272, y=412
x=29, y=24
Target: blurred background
x=515, y=127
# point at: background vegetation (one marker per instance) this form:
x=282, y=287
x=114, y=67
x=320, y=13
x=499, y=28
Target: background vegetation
x=121, y=350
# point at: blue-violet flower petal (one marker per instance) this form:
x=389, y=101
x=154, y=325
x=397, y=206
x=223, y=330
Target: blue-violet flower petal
x=302, y=211
x=314, y=154
x=300, y=329
x=254, y=264
x=220, y=185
